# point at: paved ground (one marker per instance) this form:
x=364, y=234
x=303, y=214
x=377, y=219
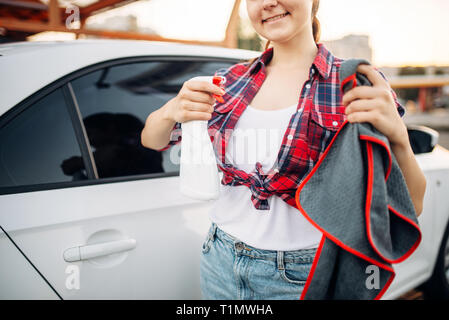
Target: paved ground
x=412, y=295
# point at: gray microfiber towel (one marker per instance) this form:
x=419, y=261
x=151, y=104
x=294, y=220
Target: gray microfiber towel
x=357, y=197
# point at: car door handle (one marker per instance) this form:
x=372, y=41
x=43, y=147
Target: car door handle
x=86, y=252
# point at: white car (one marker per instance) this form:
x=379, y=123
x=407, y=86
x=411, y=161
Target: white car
x=89, y=213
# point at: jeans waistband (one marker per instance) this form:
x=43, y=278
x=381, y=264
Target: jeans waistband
x=294, y=256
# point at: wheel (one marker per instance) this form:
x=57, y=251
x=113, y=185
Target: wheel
x=437, y=287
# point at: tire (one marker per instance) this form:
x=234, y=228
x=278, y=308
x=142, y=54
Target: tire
x=437, y=287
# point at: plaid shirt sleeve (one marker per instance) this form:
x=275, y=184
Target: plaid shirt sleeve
x=175, y=136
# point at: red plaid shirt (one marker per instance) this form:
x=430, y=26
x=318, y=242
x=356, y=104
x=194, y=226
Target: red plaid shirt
x=307, y=136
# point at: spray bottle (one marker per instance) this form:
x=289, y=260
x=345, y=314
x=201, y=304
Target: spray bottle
x=199, y=177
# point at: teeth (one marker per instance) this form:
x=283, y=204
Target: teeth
x=277, y=17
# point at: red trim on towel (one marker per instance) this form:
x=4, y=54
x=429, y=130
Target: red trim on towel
x=386, y=286
x=418, y=241
x=369, y=195
x=312, y=270
x=352, y=78
x=383, y=144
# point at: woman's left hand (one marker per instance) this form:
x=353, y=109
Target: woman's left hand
x=376, y=105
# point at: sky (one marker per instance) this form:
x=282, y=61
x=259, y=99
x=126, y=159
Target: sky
x=402, y=32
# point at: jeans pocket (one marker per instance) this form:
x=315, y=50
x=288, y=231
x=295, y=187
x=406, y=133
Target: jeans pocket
x=296, y=273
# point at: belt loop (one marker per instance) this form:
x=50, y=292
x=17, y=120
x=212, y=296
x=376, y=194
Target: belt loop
x=280, y=260
x=213, y=231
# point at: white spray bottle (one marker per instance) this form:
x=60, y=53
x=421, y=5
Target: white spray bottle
x=199, y=177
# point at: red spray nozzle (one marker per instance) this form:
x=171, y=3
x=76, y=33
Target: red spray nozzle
x=219, y=81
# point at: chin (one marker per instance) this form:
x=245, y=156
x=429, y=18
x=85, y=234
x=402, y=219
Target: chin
x=279, y=34
x=279, y=38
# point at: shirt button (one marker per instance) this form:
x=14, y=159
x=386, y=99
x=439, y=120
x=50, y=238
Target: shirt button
x=308, y=86
x=290, y=137
x=335, y=123
x=276, y=170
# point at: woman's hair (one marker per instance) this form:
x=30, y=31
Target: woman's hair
x=316, y=28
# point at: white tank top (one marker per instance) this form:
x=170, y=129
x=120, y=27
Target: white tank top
x=258, y=136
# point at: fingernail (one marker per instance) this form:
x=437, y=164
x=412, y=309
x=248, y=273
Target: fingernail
x=219, y=98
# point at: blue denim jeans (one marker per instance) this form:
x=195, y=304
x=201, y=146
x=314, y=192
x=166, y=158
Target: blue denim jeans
x=233, y=270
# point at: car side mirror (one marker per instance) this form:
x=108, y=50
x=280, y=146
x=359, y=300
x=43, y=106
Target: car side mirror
x=422, y=139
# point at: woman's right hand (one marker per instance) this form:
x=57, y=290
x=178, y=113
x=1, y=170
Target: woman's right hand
x=193, y=102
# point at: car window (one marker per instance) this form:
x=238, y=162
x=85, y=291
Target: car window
x=39, y=145
x=114, y=103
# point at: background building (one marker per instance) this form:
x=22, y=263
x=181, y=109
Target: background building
x=119, y=23
x=351, y=46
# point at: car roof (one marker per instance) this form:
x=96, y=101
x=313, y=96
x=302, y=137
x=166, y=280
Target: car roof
x=27, y=67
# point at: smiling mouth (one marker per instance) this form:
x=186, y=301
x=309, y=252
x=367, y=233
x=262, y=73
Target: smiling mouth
x=278, y=17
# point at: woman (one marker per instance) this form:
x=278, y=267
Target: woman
x=259, y=246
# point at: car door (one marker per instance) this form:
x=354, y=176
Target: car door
x=97, y=214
